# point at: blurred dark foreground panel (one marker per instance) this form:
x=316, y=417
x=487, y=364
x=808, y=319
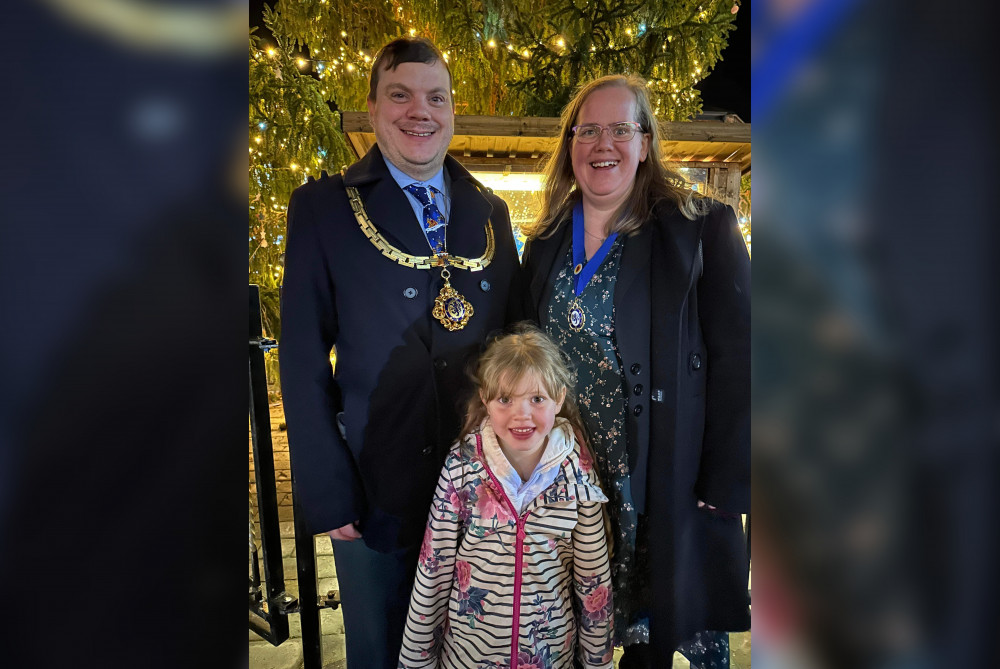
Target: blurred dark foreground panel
x=123, y=185
x=875, y=386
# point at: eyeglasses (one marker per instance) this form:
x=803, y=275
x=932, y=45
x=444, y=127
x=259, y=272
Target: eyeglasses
x=620, y=132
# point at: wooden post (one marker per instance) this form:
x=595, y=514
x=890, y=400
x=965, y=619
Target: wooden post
x=733, y=187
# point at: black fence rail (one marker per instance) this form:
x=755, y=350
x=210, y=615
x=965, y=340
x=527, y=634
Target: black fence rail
x=270, y=604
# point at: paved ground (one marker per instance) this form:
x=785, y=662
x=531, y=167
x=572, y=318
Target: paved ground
x=289, y=654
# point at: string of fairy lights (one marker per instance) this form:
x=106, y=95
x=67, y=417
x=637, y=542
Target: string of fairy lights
x=344, y=61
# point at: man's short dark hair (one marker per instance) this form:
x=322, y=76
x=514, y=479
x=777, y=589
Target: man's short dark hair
x=405, y=50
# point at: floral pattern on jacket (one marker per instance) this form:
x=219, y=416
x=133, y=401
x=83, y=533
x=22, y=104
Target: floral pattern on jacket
x=460, y=609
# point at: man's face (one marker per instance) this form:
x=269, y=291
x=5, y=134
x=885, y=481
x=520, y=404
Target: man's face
x=413, y=117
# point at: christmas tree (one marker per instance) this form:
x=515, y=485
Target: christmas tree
x=507, y=57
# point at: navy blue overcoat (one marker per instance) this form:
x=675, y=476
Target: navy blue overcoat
x=367, y=443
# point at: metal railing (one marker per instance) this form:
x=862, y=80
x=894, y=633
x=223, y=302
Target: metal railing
x=270, y=604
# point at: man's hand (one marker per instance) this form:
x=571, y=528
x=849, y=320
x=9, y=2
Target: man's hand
x=346, y=533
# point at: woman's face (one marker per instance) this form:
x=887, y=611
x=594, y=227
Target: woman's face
x=605, y=170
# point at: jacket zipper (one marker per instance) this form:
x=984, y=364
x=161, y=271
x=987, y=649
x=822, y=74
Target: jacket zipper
x=518, y=565
x=518, y=555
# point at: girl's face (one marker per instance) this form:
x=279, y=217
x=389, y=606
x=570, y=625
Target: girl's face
x=523, y=418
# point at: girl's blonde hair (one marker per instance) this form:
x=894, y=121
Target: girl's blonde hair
x=654, y=182
x=524, y=349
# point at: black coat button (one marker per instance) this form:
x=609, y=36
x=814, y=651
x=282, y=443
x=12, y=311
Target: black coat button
x=484, y=284
x=428, y=450
x=695, y=361
x=637, y=410
x=440, y=363
x=410, y=293
x=638, y=389
x=636, y=368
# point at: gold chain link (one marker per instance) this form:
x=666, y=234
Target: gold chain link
x=418, y=262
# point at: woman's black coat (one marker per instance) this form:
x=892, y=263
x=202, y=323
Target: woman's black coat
x=682, y=325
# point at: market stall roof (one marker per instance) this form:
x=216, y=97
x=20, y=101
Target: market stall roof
x=520, y=143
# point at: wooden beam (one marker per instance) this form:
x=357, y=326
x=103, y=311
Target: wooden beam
x=507, y=126
x=693, y=164
x=354, y=122
x=531, y=126
x=498, y=163
x=704, y=131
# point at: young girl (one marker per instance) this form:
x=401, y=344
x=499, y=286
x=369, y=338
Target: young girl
x=514, y=570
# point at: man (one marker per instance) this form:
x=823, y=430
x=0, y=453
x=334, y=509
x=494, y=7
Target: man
x=404, y=263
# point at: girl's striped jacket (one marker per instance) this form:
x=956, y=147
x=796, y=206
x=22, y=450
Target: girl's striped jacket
x=481, y=554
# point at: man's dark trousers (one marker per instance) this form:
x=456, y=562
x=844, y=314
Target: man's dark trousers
x=375, y=596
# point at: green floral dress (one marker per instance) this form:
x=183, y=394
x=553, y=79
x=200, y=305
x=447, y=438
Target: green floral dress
x=600, y=392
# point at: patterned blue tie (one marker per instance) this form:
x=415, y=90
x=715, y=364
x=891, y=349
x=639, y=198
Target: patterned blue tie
x=433, y=219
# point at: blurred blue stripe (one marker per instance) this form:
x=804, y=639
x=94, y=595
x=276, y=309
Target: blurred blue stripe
x=784, y=48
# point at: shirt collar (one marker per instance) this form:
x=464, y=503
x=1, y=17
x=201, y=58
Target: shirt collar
x=404, y=179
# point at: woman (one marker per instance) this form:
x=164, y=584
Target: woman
x=648, y=289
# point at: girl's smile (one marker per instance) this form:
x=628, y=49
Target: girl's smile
x=522, y=421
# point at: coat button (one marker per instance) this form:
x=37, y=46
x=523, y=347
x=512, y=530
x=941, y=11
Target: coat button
x=695, y=361
x=636, y=368
x=637, y=410
x=638, y=389
x=484, y=284
x=428, y=450
x=440, y=363
x=410, y=293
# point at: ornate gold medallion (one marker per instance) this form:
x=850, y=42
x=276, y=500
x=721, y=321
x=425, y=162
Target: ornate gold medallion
x=577, y=318
x=453, y=310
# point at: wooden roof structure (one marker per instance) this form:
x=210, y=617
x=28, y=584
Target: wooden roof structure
x=521, y=143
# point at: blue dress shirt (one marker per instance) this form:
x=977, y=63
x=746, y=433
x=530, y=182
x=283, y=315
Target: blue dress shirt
x=438, y=181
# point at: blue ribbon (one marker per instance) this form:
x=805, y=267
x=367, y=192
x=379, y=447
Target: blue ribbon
x=588, y=267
